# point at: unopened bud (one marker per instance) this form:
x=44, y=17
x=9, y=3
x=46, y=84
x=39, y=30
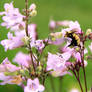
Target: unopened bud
x=26, y=40
x=21, y=27
x=88, y=31
x=77, y=49
x=22, y=71
x=52, y=24
x=33, y=13
x=39, y=68
x=53, y=39
x=32, y=7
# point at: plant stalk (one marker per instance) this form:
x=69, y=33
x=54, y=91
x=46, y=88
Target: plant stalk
x=78, y=79
x=26, y=29
x=83, y=67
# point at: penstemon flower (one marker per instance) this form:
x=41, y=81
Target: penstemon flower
x=57, y=64
x=33, y=86
x=30, y=70
x=12, y=16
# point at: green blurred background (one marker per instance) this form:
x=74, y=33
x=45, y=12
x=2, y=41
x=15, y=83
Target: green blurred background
x=80, y=10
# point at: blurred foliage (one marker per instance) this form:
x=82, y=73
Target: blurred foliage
x=80, y=10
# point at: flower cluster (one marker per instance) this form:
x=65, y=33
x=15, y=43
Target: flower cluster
x=31, y=70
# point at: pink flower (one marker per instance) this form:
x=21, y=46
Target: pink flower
x=63, y=23
x=33, y=86
x=90, y=46
x=16, y=41
x=11, y=16
x=77, y=56
x=39, y=45
x=13, y=41
x=56, y=64
x=6, y=66
x=18, y=27
x=75, y=26
x=56, y=38
x=52, y=24
x=22, y=59
x=55, y=24
x=10, y=79
x=32, y=7
x=32, y=33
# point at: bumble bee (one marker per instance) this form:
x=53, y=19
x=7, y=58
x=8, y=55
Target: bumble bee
x=75, y=38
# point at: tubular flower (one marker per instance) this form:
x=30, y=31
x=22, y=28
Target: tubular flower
x=57, y=64
x=11, y=16
x=13, y=41
x=9, y=73
x=33, y=86
x=22, y=59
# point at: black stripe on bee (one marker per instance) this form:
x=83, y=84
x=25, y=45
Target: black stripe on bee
x=75, y=38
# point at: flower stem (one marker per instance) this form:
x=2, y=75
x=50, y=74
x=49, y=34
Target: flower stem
x=26, y=6
x=78, y=79
x=26, y=29
x=82, y=59
x=32, y=59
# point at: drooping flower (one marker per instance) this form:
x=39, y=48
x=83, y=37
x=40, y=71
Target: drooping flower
x=33, y=86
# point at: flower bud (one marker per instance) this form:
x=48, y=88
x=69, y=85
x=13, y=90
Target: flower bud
x=32, y=7
x=26, y=40
x=88, y=31
x=52, y=25
x=33, y=13
x=77, y=49
x=22, y=71
x=21, y=27
x=39, y=68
